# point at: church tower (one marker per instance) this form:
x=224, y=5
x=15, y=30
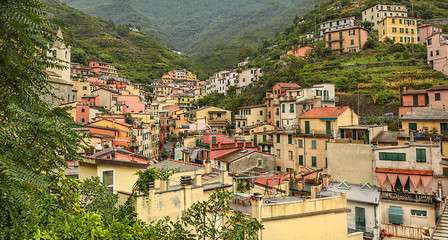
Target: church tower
x=62, y=52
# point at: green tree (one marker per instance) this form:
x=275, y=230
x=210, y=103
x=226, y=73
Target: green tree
x=35, y=139
x=211, y=219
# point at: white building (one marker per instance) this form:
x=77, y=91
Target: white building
x=336, y=24
x=376, y=13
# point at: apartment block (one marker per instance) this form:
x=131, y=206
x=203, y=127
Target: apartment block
x=378, y=12
x=346, y=40
x=399, y=29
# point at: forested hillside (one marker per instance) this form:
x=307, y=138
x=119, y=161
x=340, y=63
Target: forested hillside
x=136, y=56
x=212, y=31
x=376, y=75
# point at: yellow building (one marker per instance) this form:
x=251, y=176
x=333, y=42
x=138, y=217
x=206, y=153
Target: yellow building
x=215, y=118
x=190, y=76
x=399, y=29
x=250, y=116
x=426, y=124
x=83, y=88
x=167, y=79
x=376, y=13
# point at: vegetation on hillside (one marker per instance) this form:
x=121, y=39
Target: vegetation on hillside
x=136, y=56
x=211, y=31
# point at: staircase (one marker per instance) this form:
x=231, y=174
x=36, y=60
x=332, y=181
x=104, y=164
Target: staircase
x=441, y=229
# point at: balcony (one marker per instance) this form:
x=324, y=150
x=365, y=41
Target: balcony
x=184, y=126
x=240, y=117
x=217, y=120
x=407, y=197
x=336, y=40
x=312, y=132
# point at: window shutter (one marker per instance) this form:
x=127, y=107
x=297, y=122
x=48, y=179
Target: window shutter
x=301, y=160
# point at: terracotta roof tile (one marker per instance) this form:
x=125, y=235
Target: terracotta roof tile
x=322, y=112
x=405, y=171
x=288, y=85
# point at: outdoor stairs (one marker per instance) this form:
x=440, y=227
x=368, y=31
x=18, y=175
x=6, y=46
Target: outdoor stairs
x=441, y=230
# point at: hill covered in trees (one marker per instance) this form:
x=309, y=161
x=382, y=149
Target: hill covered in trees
x=137, y=56
x=211, y=31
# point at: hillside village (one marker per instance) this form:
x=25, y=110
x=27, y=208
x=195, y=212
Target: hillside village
x=299, y=161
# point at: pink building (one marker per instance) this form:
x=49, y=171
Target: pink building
x=248, y=76
x=426, y=30
x=178, y=74
x=218, y=145
x=131, y=103
x=437, y=45
x=438, y=96
x=96, y=80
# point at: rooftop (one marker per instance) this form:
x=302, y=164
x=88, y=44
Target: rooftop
x=426, y=114
x=288, y=85
x=386, y=137
x=323, y=112
x=354, y=193
x=438, y=87
x=181, y=166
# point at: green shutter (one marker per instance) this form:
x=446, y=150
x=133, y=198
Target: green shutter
x=328, y=127
x=326, y=162
x=264, y=138
x=313, y=161
x=445, y=171
x=300, y=142
x=387, y=156
x=307, y=127
x=278, y=138
x=395, y=215
x=283, y=107
x=421, y=155
x=291, y=107
x=289, y=139
x=213, y=139
x=301, y=160
x=313, y=144
x=255, y=140
x=326, y=142
x=419, y=212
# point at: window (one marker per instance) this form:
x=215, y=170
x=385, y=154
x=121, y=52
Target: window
x=278, y=138
x=260, y=162
x=213, y=139
x=244, y=80
x=329, y=37
x=421, y=155
x=83, y=110
x=445, y=171
x=401, y=39
x=278, y=153
x=437, y=53
x=340, y=35
x=219, y=115
x=313, y=144
x=300, y=143
x=82, y=120
x=401, y=21
x=395, y=215
x=219, y=164
x=394, y=30
x=84, y=88
x=326, y=142
x=393, y=20
x=279, y=168
x=261, y=112
x=360, y=218
x=313, y=162
x=352, y=42
x=437, y=95
x=289, y=139
x=108, y=178
x=301, y=160
x=430, y=41
x=290, y=155
x=418, y=213
x=388, y=156
x=291, y=107
x=283, y=108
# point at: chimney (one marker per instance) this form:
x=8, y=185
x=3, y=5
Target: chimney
x=208, y=166
x=313, y=192
x=287, y=187
x=256, y=201
x=185, y=183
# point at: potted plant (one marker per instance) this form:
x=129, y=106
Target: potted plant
x=426, y=234
x=146, y=178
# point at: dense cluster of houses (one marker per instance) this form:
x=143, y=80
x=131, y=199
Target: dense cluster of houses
x=298, y=162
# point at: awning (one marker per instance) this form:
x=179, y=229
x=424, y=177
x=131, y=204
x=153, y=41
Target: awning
x=405, y=171
x=392, y=179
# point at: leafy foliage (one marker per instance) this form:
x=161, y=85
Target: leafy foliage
x=211, y=219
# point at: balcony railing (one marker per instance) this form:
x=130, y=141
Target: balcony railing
x=406, y=232
x=312, y=132
x=407, y=197
x=240, y=117
x=217, y=119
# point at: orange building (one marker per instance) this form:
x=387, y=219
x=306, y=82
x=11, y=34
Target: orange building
x=346, y=40
x=301, y=52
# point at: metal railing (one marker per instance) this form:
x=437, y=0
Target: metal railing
x=240, y=117
x=438, y=220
